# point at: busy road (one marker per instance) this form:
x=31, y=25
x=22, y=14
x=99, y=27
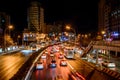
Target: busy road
x=54, y=63
x=11, y=62
x=64, y=69
x=56, y=66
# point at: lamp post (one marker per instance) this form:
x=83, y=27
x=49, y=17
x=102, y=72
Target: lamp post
x=9, y=27
x=18, y=37
x=103, y=32
x=68, y=28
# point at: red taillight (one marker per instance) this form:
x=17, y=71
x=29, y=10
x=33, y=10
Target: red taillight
x=80, y=76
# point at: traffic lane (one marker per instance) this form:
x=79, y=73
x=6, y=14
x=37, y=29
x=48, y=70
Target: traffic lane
x=78, y=65
x=62, y=72
x=67, y=72
x=51, y=73
x=10, y=64
x=87, y=70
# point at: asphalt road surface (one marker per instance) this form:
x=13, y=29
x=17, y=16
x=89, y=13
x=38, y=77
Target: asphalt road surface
x=11, y=62
x=57, y=73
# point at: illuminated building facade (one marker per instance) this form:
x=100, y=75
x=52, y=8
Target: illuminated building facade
x=101, y=15
x=109, y=17
x=28, y=37
x=42, y=27
x=115, y=19
x=35, y=17
x=36, y=25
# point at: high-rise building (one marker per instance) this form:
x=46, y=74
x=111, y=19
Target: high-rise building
x=101, y=15
x=35, y=17
x=109, y=17
x=115, y=19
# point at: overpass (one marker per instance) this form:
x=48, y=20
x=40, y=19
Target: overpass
x=103, y=45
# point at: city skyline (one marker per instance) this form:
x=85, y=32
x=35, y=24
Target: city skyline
x=83, y=15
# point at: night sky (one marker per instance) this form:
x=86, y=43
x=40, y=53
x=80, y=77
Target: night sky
x=83, y=14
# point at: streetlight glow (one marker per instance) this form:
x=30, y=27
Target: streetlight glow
x=103, y=32
x=68, y=27
x=10, y=27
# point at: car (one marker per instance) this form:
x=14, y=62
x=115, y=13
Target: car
x=63, y=62
x=60, y=56
x=53, y=64
x=43, y=56
x=39, y=65
x=84, y=58
x=52, y=54
x=109, y=64
x=46, y=52
x=100, y=60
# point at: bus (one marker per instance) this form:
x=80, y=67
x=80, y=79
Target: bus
x=69, y=53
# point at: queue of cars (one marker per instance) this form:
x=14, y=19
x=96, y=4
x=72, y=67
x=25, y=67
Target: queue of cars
x=52, y=57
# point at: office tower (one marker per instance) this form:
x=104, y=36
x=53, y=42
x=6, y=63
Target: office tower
x=42, y=27
x=109, y=17
x=35, y=17
x=104, y=9
x=115, y=19
x=101, y=15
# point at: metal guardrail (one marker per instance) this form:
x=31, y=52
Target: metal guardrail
x=12, y=51
x=29, y=73
x=107, y=47
x=106, y=43
x=113, y=45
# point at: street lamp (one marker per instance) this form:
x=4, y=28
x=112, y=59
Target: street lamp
x=103, y=34
x=68, y=28
x=9, y=27
x=18, y=37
